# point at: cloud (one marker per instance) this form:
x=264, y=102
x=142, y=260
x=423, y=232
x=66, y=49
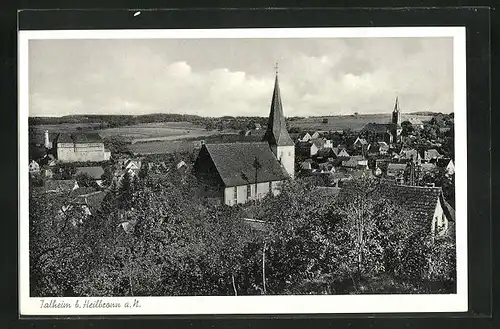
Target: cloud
x=235, y=77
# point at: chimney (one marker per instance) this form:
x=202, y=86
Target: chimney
x=47, y=141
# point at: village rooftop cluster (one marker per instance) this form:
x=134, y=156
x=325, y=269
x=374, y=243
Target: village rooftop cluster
x=405, y=157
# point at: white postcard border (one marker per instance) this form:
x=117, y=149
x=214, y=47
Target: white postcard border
x=251, y=304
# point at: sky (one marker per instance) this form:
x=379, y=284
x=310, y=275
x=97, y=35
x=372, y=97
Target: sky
x=217, y=77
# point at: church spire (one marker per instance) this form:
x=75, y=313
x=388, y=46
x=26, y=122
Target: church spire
x=396, y=104
x=276, y=133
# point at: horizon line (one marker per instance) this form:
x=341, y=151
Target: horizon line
x=221, y=116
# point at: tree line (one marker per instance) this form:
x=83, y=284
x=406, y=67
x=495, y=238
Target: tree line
x=159, y=237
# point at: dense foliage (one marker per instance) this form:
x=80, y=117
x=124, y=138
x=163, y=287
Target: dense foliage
x=157, y=236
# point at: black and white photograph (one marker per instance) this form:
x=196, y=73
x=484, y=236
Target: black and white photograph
x=229, y=171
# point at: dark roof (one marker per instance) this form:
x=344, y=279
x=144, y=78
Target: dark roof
x=235, y=163
x=326, y=152
x=419, y=200
x=94, y=172
x=378, y=127
x=79, y=138
x=276, y=132
x=441, y=162
x=92, y=200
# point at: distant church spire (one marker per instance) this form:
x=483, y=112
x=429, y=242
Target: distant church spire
x=276, y=133
x=396, y=114
x=396, y=104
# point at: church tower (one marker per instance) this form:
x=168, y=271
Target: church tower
x=396, y=114
x=276, y=134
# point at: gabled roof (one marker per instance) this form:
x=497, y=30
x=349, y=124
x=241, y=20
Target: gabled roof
x=362, y=141
x=276, y=132
x=421, y=201
x=94, y=172
x=432, y=153
x=235, y=163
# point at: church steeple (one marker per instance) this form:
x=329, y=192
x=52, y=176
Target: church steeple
x=396, y=113
x=276, y=133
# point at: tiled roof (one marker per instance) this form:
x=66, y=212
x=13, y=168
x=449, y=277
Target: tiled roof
x=432, y=153
x=94, y=172
x=276, y=132
x=92, y=200
x=378, y=127
x=79, y=138
x=235, y=163
x=421, y=201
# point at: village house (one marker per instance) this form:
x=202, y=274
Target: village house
x=360, y=143
x=446, y=164
x=34, y=167
x=427, y=204
x=357, y=161
x=239, y=172
x=379, y=148
x=93, y=172
x=410, y=154
x=307, y=149
x=81, y=147
x=416, y=123
x=305, y=137
x=431, y=154
x=341, y=152
x=316, y=135
x=396, y=171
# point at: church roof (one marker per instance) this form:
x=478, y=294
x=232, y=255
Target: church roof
x=378, y=127
x=235, y=163
x=276, y=132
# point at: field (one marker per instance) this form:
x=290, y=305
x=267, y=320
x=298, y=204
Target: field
x=189, y=145
x=352, y=122
x=145, y=132
x=169, y=137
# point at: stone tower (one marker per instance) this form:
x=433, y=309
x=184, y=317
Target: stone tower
x=276, y=134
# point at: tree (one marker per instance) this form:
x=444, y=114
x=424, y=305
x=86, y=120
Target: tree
x=84, y=180
x=407, y=128
x=125, y=191
x=324, y=121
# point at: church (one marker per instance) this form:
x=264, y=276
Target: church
x=235, y=173
x=385, y=132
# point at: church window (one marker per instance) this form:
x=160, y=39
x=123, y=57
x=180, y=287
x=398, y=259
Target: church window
x=235, y=195
x=249, y=192
x=270, y=186
x=255, y=189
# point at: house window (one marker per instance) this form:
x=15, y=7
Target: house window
x=235, y=195
x=249, y=192
x=289, y=154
